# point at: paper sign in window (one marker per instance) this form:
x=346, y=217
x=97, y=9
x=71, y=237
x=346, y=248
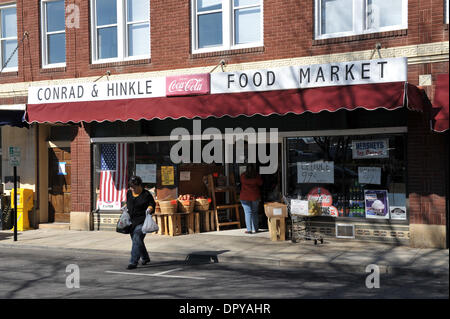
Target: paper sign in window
x=369, y=175
x=315, y=172
x=147, y=172
x=62, y=168
x=185, y=176
x=167, y=175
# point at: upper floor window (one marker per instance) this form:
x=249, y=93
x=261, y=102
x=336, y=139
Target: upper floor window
x=53, y=33
x=446, y=12
x=8, y=37
x=226, y=24
x=339, y=18
x=120, y=30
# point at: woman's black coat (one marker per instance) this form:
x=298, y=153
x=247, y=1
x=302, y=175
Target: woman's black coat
x=138, y=205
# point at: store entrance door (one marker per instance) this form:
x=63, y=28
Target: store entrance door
x=59, y=184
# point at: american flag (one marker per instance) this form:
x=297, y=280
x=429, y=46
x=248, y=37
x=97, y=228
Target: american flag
x=113, y=175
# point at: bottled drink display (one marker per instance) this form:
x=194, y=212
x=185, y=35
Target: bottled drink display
x=350, y=204
x=356, y=201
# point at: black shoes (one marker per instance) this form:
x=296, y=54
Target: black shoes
x=143, y=263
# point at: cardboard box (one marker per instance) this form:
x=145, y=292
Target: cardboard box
x=275, y=209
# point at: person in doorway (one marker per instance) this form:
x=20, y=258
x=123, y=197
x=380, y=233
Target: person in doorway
x=139, y=203
x=250, y=196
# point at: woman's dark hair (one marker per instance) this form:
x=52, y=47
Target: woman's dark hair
x=251, y=171
x=135, y=181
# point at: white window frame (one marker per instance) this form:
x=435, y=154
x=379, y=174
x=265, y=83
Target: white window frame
x=8, y=68
x=44, y=34
x=122, y=35
x=446, y=11
x=360, y=21
x=228, y=34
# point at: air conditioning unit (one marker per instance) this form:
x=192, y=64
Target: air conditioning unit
x=345, y=231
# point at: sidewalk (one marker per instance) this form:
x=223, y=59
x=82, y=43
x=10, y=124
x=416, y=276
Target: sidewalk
x=235, y=247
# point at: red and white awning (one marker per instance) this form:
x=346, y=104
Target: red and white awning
x=390, y=96
x=440, y=121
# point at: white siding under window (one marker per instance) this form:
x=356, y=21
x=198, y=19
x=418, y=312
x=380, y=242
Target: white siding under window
x=339, y=18
x=8, y=37
x=53, y=31
x=226, y=24
x=120, y=30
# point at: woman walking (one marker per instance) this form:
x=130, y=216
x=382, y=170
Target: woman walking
x=250, y=197
x=139, y=202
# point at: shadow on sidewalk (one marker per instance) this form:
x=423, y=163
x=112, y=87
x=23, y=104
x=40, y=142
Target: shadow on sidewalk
x=4, y=235
x=203, y=257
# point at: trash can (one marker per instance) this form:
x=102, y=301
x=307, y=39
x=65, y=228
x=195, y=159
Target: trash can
x=24, y=206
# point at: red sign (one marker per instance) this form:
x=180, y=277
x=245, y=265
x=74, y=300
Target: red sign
x=322, y=195
x=192, y=84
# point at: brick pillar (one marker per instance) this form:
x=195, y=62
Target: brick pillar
x=81, y=195
x=427, y=182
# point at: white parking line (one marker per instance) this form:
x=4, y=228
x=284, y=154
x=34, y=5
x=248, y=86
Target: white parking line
x=165, y=272
x=160, y=274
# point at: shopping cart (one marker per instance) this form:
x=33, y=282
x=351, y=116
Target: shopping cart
x=301, y=226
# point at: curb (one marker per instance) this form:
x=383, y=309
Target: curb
x=199, y=258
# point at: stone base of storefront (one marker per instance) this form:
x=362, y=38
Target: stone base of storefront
x=81, y=221
x=106, y=220
x=386, y=233
x=428, y=236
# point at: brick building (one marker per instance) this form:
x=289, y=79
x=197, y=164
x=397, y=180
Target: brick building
x=66, y=48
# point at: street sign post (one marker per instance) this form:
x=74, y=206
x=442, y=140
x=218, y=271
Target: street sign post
x=14, y=160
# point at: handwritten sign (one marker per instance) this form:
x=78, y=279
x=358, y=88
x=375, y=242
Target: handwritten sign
x=369, y=175
x=370, y=149
x=147, y=172
x=315, y=172
x=185, y=176
x=299, y=207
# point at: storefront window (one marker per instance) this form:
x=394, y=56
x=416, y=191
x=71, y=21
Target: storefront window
x=115, y=163
x=352, y=176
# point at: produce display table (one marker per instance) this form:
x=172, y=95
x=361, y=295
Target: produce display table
x=171, y=224
x=208, y=220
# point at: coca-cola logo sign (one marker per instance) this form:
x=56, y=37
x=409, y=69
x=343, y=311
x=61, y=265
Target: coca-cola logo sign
x=195, y=84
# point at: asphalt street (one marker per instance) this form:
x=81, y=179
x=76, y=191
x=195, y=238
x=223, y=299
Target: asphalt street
x=51, y=273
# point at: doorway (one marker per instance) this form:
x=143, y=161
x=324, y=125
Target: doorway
x=59, y=177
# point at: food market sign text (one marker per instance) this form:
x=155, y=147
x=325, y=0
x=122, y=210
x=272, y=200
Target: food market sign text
x=317, y=75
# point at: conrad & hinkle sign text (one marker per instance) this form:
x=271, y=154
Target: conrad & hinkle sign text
x=97, y=91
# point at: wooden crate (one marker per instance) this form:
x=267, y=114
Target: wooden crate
x=277, y=228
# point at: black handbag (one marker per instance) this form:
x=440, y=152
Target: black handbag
x=125, y=230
